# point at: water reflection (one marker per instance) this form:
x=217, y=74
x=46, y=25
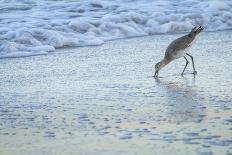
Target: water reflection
x=183, y=102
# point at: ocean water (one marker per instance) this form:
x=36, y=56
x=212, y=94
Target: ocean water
x=103, y=100
x=34, y=27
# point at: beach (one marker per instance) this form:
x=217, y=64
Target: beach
x=104, y=100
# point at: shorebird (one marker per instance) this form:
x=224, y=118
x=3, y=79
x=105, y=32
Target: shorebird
x=177, y=49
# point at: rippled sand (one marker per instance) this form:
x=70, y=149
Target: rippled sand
x=104, y=100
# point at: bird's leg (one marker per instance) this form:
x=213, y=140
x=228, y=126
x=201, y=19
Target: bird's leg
x=194, y=70
x=185, y=65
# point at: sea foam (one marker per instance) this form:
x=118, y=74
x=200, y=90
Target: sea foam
x=29, y=27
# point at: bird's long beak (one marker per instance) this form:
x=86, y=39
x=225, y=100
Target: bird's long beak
x=156, y=73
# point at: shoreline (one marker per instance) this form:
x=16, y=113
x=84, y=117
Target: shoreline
x=178, y=34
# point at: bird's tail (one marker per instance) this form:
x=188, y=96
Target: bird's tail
x=196, y=30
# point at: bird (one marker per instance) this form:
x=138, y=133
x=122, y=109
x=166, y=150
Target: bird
x=178, y=49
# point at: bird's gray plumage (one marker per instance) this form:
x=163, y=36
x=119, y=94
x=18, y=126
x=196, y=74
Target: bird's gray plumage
x=178, y=45
x=178, y=48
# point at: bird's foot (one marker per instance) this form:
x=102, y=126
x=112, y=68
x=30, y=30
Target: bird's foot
x=195, y=72
x=182, y=74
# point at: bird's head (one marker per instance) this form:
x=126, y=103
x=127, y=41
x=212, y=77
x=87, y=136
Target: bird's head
x=158, y=66
x=195, y=31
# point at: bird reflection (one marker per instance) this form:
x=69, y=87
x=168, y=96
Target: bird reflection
x=183, y=103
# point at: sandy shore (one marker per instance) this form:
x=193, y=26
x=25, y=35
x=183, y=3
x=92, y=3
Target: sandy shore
x=103, y=100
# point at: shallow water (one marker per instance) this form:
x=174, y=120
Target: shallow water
x=104, y=100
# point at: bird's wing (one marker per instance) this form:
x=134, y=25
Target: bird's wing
x=179, y=44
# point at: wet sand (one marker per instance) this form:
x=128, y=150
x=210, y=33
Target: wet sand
x=104, y=100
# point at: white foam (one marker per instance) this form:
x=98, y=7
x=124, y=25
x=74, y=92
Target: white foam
x=33, y=27
x=218, y=6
